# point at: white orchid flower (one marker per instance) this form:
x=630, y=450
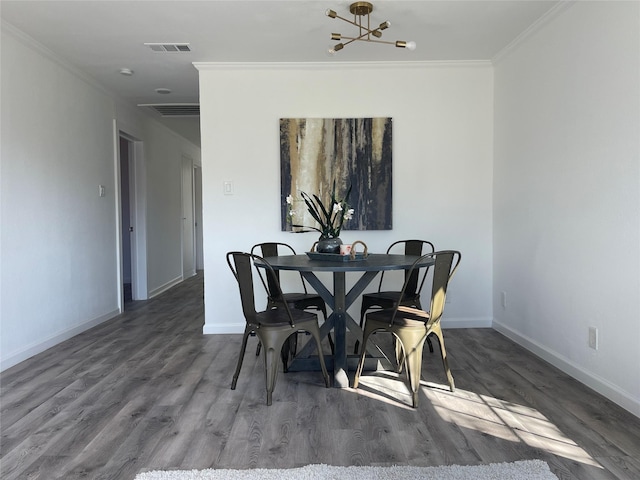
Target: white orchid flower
x=349, y=214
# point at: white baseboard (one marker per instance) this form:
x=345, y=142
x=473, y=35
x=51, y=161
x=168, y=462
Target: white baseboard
x=163, y=288
x=466, y=322
x=223, y=329
x=39, y=347
x=599, y=384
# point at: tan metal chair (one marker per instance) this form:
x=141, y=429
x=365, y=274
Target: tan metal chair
x=299, y=300
x=411, y=326
x=411, y=296
x=273, y=326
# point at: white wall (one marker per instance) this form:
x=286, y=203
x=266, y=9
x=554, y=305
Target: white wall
x=164, y=215
x=567, y=195
x=442, y=165
x=59, y=270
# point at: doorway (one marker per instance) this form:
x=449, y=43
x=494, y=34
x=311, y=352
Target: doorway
x=126, y=152
x=133, y=255
x=197, y=185
x=188, y=219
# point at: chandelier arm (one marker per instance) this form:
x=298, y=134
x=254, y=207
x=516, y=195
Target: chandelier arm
x=353, y=39
x=356, y=24
x=360, y=37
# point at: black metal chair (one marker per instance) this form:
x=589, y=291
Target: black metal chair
x=299, y=300
x=411, y=326
x=411, y=296
x=273, y=326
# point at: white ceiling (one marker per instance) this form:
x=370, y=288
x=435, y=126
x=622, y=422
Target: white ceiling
x=101, y=37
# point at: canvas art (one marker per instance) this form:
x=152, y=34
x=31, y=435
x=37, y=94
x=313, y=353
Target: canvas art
x=352, y=152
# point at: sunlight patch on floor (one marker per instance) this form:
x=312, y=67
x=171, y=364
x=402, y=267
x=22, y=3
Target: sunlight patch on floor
x=486, y=414
x=507, y=420
x=387, y=387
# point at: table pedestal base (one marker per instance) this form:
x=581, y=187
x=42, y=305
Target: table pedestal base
x=340, y=378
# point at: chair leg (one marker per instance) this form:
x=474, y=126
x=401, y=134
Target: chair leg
x=400, y=357
x=316, y=335
x=365, y=337
x=445, y=363
x=293, y=345
x=430, y=345
x=243, y=348
x=271, y=370
x=363, y=310
x=331, y=344
x=285, y=353
x=323, y=309
x=413, y=343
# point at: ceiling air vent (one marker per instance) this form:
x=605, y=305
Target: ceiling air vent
x=174, y=109
x=169, y=47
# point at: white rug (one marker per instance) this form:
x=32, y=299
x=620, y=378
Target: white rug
x=523, y=470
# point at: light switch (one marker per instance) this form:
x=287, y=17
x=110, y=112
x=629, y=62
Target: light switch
x=101, y=190
x=227, y=187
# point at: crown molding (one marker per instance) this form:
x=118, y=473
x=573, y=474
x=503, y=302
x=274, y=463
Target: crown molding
x=32, y=43
x=117, y=102
x=203, y=66
x=549, y=15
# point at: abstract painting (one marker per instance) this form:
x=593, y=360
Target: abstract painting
x=352, y=152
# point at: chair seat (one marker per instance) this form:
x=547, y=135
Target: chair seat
x=301, y=297
x=277, y=316
x=384, y=296
x=387, y=297
x=406, y=317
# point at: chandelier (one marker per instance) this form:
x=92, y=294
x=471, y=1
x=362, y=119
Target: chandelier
x=361, y=11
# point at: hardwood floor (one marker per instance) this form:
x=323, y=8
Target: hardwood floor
x=147, y=390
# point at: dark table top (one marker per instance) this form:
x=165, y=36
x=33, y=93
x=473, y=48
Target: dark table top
x=373, y=262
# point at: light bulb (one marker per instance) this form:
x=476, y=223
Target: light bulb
x=411, y=45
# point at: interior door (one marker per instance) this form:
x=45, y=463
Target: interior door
x=188, y=220
x=125, y=214
x=197, y=185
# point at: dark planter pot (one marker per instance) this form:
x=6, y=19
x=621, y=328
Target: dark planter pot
x=329, y=245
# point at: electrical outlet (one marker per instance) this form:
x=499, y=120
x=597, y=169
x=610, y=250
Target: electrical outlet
x=504, y=299
x=593, y=338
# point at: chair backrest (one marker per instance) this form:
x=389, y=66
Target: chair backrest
x=413, y=283
x=241, y=265
x=271, y=279
x=446, y=264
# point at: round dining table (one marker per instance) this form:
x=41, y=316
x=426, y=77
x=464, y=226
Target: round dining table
x=339, y=300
